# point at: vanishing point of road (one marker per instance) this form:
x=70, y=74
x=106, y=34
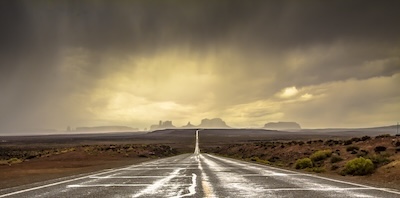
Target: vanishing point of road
x=197, y=175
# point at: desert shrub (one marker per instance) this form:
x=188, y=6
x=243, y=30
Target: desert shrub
x=334, y=167
x=316, y=169
x=365, y=138
x=356, y=139
x=397, y=149
x=320, y=155
x=352, y=148
x=379, y=149
x=362, y=153
x=348, y=142
x=303, y=163
x=382, y=136
x=301, y=143
x=257, y=159
x=379, y=160
x=142, y=155
x=328, y=142
x=14, y=161
x=397, y=143
x=254, y=159
x=359, y=166
x=335, y=159
x=273, y=159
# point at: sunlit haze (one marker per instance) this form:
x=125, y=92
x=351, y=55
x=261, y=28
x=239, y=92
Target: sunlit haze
x=132, y=63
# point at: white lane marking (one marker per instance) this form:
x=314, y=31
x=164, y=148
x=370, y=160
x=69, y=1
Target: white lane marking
x=192, y=188
x=163, y=168
x=310, y=175
x=167, y=165
x=196, y=148
x=133, y=177
x=112, y=185
x=316, y=189
x=272, y=175
x=152, y=189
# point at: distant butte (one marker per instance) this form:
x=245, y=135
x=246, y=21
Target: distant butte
x=162, y=125
x=282, y=125
x=213, y=123
x=189, y=125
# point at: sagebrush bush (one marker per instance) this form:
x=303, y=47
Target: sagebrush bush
x=365, y=138
x=379, y=149
x=303, y=163
x=316, y=169
x=379, y=160
x=348, y=142
x=335, y=159
x=257, y=159
x=320, y=155
x=359, y=166
x=382, y=136
x=352, y=148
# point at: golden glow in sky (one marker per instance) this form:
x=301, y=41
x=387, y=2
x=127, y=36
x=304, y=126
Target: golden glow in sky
x=133, y=63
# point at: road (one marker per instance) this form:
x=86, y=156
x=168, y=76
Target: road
x=198, y=175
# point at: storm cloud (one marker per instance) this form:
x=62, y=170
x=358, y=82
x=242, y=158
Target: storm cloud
x=85, y=63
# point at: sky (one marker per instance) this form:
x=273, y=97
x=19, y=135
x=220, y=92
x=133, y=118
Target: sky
x=94, y=63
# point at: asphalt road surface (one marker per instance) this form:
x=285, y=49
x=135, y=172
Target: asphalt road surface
x=198, y=175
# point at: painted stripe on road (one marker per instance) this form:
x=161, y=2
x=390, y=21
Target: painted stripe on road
x=317, y=189
x=163, y=168
x=115, y=185
x=273, y=175
x=131, y=177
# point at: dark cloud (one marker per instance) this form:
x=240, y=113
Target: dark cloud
x=52, y=51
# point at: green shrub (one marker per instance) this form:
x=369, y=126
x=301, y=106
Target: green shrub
x=379, y=160
x=335, y=159
x=257, y=159
x=352, y=148
x=359, y=166
x=316, y=169
x=320, y=155
x=304, y=163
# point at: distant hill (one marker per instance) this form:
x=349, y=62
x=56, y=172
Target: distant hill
x=372, y=131
x=213, y=123
x=282, y=125
x=105, y=129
